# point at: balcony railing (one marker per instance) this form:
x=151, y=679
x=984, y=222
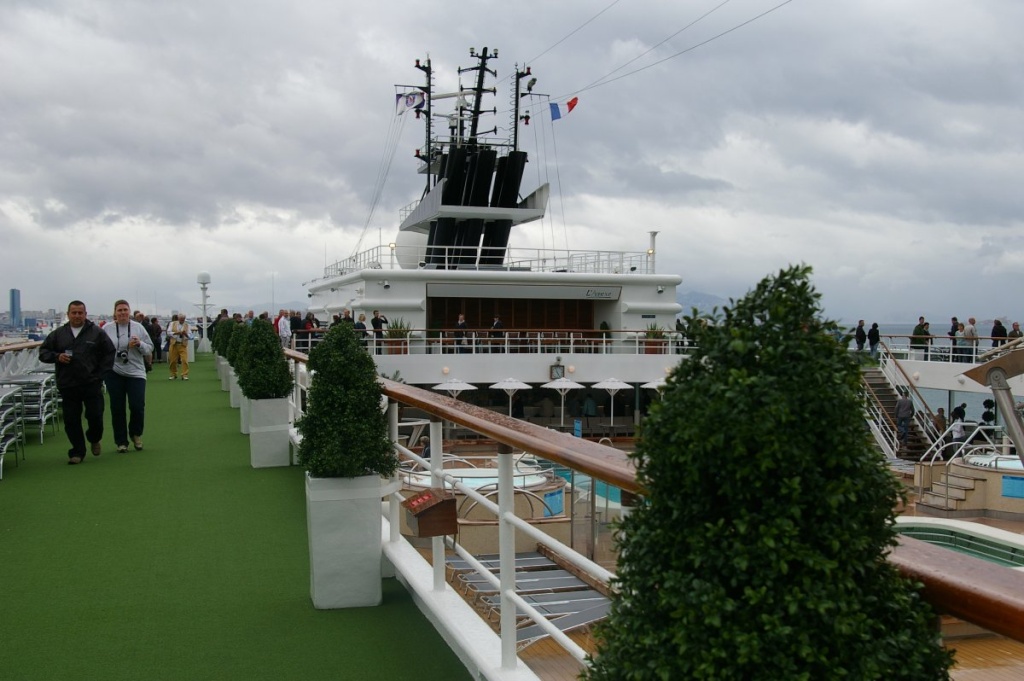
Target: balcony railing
x=519, y=341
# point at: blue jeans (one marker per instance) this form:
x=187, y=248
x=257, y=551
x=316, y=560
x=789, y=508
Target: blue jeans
x=903, y=428
x=120, y=388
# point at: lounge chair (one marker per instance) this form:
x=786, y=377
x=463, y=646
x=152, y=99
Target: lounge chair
x=527, y=636
x=523, y=561
x=548, y=584
x=523, y=577
x=552, y=604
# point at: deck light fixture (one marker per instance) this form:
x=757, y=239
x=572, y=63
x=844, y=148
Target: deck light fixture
x=203, y=279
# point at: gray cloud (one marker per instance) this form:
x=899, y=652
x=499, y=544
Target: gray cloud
x=877, y=141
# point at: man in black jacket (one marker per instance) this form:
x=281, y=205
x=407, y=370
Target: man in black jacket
x=83, y=354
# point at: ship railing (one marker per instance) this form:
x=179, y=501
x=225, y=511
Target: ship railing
x=516, y=439
x=963, y=586
x=512, y=258
x=513, y=341
x=940, y=348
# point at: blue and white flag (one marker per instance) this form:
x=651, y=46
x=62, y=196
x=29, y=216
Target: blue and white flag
x=562, y=110
x=408, y=100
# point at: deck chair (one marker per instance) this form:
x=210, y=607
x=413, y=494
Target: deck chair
x=523, y=577
x=524, y=561
x=548, y=584
x=527, y=636
x=552, y=604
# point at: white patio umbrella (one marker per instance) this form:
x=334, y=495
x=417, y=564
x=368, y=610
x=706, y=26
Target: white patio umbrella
x=454, y=386
x=563, y=385
x=510, y=386
x=658, y=385
x=612, y=385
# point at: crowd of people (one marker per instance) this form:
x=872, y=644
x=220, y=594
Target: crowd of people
x=115, y=354
x=964, y=339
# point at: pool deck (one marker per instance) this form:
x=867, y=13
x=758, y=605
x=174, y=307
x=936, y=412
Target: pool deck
x=989, y=657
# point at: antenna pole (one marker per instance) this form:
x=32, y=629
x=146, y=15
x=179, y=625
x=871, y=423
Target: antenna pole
x=427, y=93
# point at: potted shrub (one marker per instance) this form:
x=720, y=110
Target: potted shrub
x=654, y=339
x=758, y=553
x=238, y=339
x=397, y=337
x=220, y=341
x=266, y=383
x=346, y=452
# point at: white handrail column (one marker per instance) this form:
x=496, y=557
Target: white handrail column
x=394, y=500
x=437, y=482
x=507, y=559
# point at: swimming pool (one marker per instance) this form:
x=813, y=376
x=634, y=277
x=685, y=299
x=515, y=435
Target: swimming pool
x=602, y=489
x=988, y=543
x=1000, y=462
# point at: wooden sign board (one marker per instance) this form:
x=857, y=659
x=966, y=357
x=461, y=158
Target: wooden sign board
x=431, y=513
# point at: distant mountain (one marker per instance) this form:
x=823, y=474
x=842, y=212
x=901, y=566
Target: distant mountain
x=704, y=302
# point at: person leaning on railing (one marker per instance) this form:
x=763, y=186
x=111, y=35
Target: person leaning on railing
x=920, y=338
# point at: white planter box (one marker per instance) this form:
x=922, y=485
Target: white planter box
x=243, y=414
x=268, y=433
x=225, y=374
x=343, y=520
x=235, y=391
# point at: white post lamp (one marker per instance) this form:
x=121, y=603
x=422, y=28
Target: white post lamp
x=203, y=279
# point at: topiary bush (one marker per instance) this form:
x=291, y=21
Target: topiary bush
x=222, y=338
x=759, y=549
x=236, y=342
x=344, y=431
x=261, y=365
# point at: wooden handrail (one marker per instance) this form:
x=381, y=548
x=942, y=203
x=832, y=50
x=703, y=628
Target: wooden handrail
x=605, y=463
x=12, y=347
x=975, y=590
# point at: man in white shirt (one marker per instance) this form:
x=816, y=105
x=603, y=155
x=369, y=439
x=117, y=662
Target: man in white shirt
x=284, y=329
x=971, y=336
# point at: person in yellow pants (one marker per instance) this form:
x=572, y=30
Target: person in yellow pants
x=178, y=333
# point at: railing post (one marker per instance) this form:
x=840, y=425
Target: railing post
x=393, y=500
x=507, y=557
x=437, y=482
x=296, y=390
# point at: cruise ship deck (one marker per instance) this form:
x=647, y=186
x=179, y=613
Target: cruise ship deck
x=181, y=562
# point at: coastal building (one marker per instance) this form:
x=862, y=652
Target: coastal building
x=16, y=320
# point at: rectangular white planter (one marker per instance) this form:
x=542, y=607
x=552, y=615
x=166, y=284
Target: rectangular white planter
x=268, y=433
x=235, y=391
x=225, y=374
x=243, y=414
x=343, y=520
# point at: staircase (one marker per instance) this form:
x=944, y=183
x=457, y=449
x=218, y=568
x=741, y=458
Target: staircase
x=885, y=396
x=948, y=495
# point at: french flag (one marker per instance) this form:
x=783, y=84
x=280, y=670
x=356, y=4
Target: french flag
x=562, y=110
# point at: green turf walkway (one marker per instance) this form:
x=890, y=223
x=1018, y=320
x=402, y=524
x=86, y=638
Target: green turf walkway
x=181, y=562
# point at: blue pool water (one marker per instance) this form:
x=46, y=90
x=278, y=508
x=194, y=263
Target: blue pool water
x=602, y=489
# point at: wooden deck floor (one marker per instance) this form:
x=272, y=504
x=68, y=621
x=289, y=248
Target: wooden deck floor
x=990, y=658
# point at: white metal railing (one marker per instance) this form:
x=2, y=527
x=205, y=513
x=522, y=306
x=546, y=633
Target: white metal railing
x=531, y=259
x=522, y=341
x=939, y=348
x=507, y=523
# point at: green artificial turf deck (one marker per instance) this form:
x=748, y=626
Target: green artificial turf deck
x=181, y=562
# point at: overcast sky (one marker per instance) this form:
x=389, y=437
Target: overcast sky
x=879, y=142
